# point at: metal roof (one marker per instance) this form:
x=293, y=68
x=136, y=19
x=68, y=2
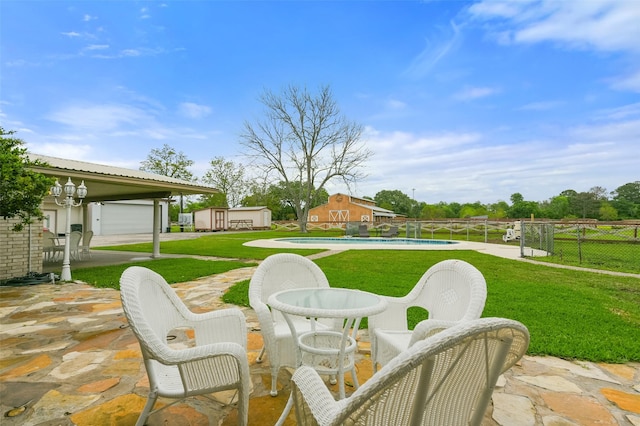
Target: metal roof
x=377, y=211
x=235, y=209
x=109, y=183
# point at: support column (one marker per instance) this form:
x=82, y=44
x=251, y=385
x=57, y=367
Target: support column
x=156, y=228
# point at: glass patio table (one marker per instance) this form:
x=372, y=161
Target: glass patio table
x=329, y=352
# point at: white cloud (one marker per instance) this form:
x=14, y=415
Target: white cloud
x=97, y=47
x=619, y=113
x=541, y=106
x=144, y=13
x=629, y=82
x=621, y=131
x=603, y=25
x=472, y=93
x=87, y=18
x=395, y=104
x=16, y=63
x=469, y=167
x=80, y=152
x=99, y=118
x=130, y=52
x=433, y=53
x=71, y=34
x=193, y=110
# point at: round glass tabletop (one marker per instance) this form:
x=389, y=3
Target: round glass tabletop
x=327, y=302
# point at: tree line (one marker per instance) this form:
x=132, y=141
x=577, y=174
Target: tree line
x=597, y=203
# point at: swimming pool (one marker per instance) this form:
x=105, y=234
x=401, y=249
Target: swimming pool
x=374, y=241
x=355, y=243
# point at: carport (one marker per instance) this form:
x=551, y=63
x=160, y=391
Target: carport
x=109, y=183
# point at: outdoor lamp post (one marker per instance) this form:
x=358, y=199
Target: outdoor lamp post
x=67, y=203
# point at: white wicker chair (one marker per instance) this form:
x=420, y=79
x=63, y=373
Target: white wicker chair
x=217, y=362
x=278, y=272
x=74, y=244
x=86, y=243
x=451, y=291
x=49, y=246
x=446, y=379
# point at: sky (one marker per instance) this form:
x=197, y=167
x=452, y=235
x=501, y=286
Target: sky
x=461, y=101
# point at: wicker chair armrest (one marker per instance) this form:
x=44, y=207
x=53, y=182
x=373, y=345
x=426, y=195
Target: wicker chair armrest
x=394, y=317
x=172, y=356
x=428, y=328
x=214, y=367
x=265, y=319
x=195, y=318
x=224, y=325
x=313, y=402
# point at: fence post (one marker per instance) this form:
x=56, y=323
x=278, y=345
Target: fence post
x=523, y=232
x=486, y=235
x=579, y=245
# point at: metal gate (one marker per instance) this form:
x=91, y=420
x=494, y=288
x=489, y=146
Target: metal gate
x=537, y=236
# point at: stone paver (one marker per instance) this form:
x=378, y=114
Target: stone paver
x=67, y=357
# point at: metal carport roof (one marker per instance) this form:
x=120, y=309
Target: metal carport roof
x=109, y=183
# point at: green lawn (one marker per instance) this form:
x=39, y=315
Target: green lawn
x=224, y=245
x=173, y=270
x=597, y=254
x=570, y=314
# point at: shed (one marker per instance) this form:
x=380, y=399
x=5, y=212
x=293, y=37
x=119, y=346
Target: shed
x=258, y=217
x=211, y=219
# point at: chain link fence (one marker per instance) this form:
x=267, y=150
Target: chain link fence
x=612, y=246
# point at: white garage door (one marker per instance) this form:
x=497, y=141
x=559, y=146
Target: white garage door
x=126, y=219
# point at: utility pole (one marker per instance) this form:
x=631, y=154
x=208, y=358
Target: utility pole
x=413, y=198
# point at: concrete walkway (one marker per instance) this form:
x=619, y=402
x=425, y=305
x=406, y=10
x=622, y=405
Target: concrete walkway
x=67, y=357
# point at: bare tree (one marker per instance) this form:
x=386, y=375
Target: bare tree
x=306, y=142
x=227, y=177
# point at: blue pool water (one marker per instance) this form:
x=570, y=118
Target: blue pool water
x=390, y=241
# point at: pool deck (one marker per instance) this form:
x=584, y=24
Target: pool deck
x=509, y=251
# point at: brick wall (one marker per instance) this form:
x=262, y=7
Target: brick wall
x=14, y=249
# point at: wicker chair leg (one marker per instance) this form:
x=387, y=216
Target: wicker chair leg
x=274, y=381
x=261, y=355
x=151, y=401
x=356, y=385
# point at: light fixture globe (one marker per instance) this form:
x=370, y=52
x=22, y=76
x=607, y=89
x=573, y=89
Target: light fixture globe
x=82, y=190
x=69, y=188
x=56, y=189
